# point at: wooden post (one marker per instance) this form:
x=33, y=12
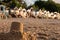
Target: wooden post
x=25, y=36
x=21, y=27
x=16, y=27
x=33, y=37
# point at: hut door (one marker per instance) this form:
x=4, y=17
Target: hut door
x=1, y=8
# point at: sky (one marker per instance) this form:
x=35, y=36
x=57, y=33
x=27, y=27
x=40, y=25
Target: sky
x=57, y=1
x=31, y=2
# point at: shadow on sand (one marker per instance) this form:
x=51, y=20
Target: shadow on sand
x=14, y=33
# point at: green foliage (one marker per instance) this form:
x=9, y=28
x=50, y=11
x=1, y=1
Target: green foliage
x=48, y=5
x=35, y=7
x=13, y=3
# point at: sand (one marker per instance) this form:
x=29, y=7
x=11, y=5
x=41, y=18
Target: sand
x=45, y=29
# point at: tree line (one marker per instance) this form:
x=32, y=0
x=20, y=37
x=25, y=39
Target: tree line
x=13, y=3
x=45, y=5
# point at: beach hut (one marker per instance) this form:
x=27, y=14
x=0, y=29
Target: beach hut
x=2, y=8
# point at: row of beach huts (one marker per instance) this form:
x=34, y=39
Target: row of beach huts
x=27, y=13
